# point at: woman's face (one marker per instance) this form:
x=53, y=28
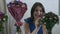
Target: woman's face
x=38, y=13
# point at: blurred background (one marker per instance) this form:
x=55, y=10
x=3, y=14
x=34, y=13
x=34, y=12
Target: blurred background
x=50, y=5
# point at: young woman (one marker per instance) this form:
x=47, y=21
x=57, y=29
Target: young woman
x=32, y=25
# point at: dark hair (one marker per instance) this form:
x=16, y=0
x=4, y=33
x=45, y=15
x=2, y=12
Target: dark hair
x=33, y=8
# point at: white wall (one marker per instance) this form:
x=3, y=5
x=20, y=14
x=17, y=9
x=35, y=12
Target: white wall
x=50, y=5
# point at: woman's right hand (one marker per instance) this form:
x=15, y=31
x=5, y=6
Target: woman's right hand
x=37, y=22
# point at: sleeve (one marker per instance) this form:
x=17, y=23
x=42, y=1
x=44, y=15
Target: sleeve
x=27, y=20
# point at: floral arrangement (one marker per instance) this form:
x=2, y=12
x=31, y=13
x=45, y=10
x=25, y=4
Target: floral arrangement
x=3, y=18
x=49, y=19
x=17, y=10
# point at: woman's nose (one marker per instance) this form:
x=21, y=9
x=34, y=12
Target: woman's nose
x=39, y=12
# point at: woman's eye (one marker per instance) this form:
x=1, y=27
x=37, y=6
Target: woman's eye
x=40, y=11
x=36, y=10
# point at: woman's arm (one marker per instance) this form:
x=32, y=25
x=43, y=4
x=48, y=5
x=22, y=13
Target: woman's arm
x=44, y=29
x=26, y=27
x=35, y=31
x=27, y=30
x=37, y=27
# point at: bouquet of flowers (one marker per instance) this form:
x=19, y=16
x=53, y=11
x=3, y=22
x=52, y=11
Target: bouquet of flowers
x=17, y=10
x=49, y=19
x=3, y=18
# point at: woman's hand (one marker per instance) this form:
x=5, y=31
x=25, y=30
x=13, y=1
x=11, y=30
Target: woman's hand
x=36, y=21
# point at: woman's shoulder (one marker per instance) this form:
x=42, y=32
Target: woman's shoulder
x=27, y=20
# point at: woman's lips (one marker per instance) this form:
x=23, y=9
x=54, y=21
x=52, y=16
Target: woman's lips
x=40, y=15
